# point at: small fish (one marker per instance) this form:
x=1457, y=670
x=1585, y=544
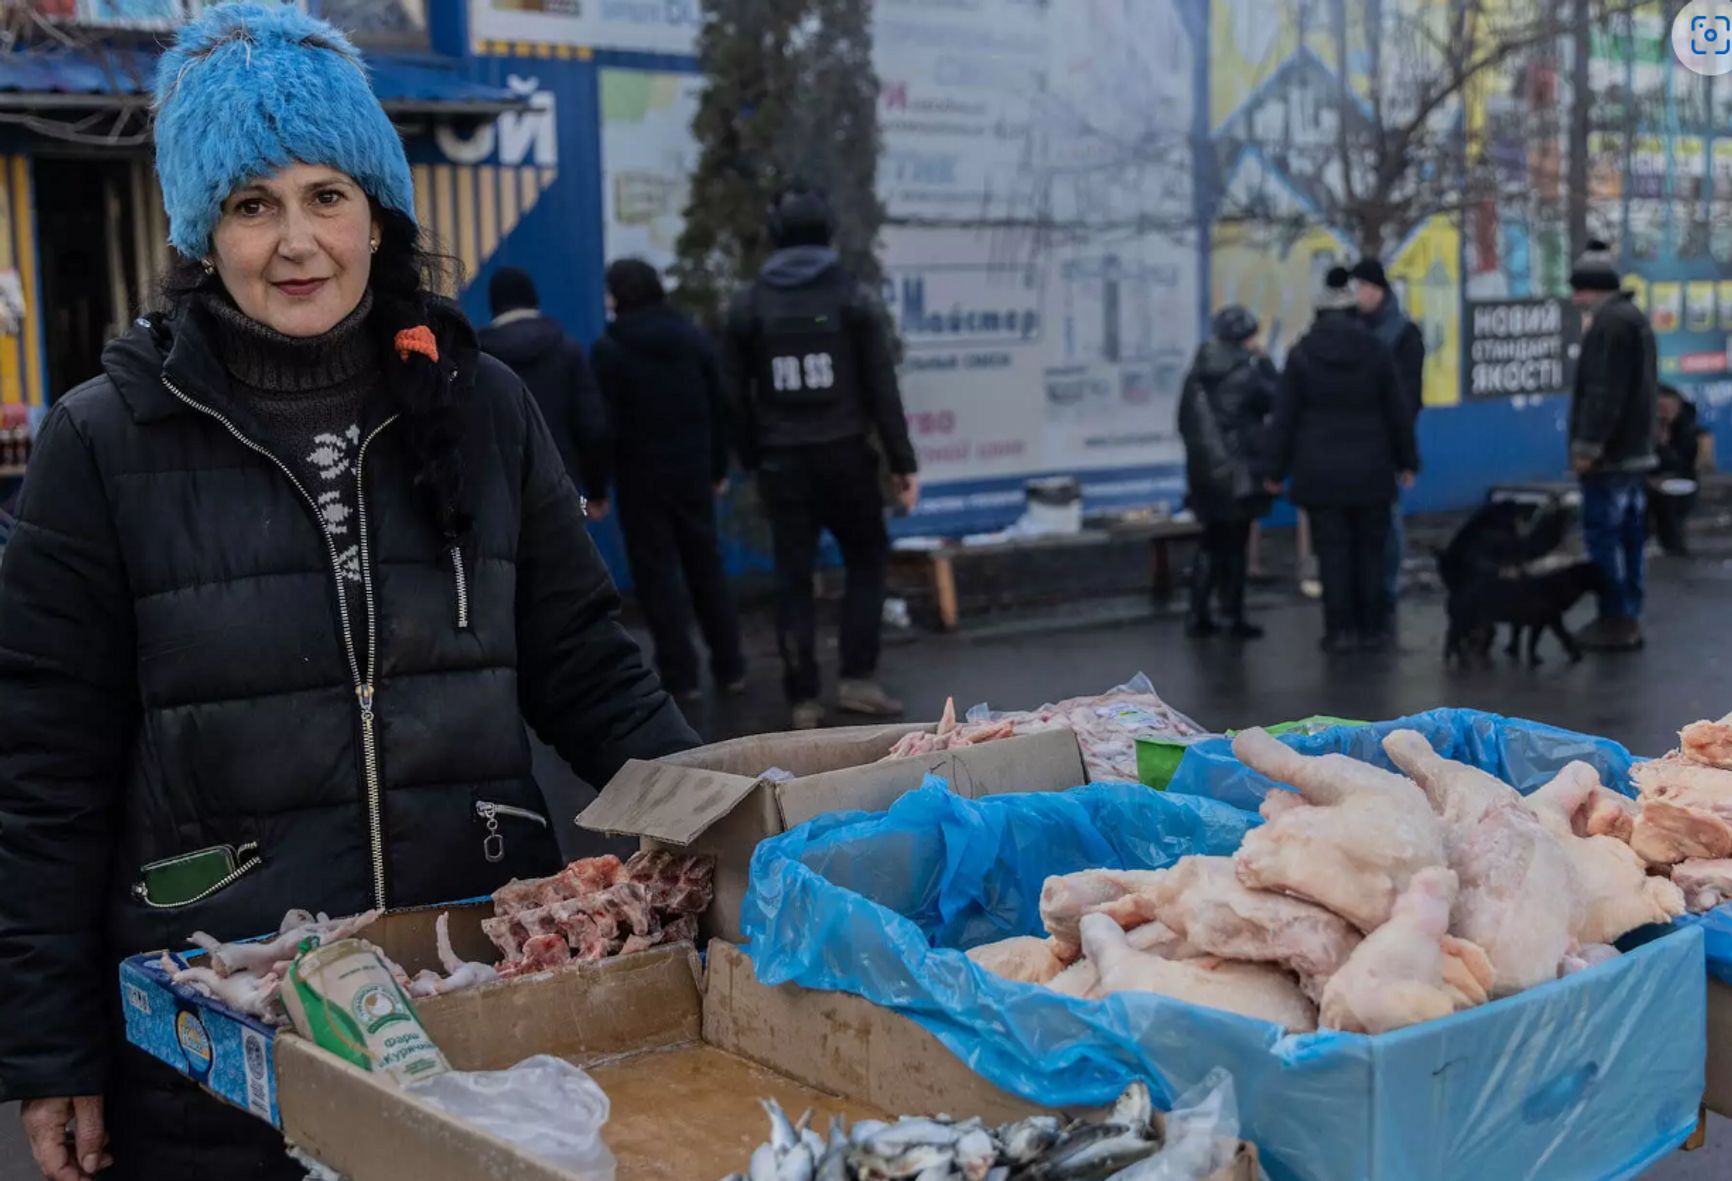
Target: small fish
x=1091, y=1152
x=910, y=1132
x=1135, y=1109
x=865, y=1130
x=1024, y=1141
x=798, y=1165
x=782, y=1133
x=909, y=1163
x=764, y=1164
x=936, y=1173
x=833, y=1165
x=975, y=1154
x=1002, y=1173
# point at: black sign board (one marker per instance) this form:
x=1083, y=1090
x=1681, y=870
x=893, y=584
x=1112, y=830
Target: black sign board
x=1520, y=346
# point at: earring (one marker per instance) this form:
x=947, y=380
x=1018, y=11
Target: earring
x=375, y=245
x=208, y=265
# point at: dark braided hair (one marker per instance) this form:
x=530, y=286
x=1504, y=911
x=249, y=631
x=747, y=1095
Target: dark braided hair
x=422, y=392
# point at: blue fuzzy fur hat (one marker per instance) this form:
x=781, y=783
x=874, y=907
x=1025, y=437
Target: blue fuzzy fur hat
x=249, y=89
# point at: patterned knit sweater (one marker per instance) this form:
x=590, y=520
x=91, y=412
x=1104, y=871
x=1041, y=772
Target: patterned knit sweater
x=308, y=393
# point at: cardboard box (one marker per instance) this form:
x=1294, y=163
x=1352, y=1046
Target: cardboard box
x=717, y=800
x=684, y=1065
x=234, y=1056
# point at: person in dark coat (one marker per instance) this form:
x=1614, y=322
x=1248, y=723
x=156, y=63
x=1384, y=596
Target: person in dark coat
x=553, y=366
x=1343, y=435
x=287, y=580
x=1381, y=309
x=1227, y=397
x=1612, y=413
x=1672, y=488
x=669, y=461
x=810, y=372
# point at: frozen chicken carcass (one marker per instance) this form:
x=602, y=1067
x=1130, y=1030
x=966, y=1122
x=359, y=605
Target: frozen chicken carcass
x=1398, y=976
x=1460, y=795
x=1065, y=898
x=1353, y=849
x=1617, y=894
x=1205, y=906
x=1251, y=990
x=1518, y=898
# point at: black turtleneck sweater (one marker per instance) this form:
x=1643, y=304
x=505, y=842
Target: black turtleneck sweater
x=307, y=392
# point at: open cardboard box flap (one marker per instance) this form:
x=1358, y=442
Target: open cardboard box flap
x=716, y=800
x=684, y=1064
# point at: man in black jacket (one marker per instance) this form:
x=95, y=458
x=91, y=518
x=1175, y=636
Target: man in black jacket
x=809, y=370
x=1343, y=433
x=552, y=365
x=1228, y=394
x=1381, y=309
x=658, y=376
x=1612, y=412
x=1672, y=487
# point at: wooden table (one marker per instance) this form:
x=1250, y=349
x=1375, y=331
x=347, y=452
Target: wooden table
x=939, y=565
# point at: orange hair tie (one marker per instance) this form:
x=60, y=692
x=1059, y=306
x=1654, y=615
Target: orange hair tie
x=418, y=339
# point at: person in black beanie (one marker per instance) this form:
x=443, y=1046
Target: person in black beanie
x=1612, y=418
x=1381, y=309
x=1343, y=434
x=554, y=368
x=659, y=377
x=1228, y=395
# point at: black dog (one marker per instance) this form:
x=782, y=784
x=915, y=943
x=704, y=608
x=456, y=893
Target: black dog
x=1531, y=603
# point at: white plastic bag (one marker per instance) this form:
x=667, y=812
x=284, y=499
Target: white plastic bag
x=543, y=1105
x=1202, y=1135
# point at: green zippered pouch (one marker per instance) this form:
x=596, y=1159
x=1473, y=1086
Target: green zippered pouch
x=183, y=880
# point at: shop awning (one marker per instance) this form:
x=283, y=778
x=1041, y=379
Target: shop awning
x=49, y=79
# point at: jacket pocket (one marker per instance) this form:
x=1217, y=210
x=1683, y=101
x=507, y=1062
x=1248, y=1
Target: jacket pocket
x=496, y=816
x=180, y=881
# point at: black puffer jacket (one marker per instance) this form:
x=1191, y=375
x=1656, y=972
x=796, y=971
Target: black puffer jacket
x=554, y=368
x=659, y=380
x=1343, y=428
x=1617, y=390
x=174, y=676
x=1228, y=394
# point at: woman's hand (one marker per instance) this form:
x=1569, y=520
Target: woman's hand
x=64, y=1154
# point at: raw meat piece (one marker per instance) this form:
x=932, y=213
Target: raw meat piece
x=1709, y=742
x=682, y=930
x=1686, y=811
x=516, y=895
x=1706, y=884
x=1518, y=897
x=1396, y=978
x=1279, y=802
x=1365, y=835
x=594, y=874
x=507, y=936
x=1026, y=958
x=587, y=876
x=1591, y=956
x=1207, y=908
x=1461, y=795
x=543, y=952
x=926, y=742
x=1666, y=833
x=1081, y=980
x=1617, y=895
x=1065, y=898
x=1251, y=990
x=681, y=883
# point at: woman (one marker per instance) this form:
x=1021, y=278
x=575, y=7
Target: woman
x=658, y=378
x=1228, y=394
x=285, y=581
x=1344, y=433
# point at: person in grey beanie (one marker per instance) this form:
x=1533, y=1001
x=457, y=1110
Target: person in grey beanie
x=287, y=580
x=1613, y=408
x=1226, y=400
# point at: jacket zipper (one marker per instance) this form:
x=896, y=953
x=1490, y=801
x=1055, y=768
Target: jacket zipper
x=363, y=684
x=493, y=844
x=462, y=588
x=253, y=861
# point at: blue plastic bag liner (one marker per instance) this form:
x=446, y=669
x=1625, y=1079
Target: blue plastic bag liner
x=1526, y=754
x=1595, y=1076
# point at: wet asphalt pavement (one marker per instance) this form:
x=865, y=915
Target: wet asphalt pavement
x=1640, y=700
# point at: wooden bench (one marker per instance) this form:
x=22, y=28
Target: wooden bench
x=938, y=565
